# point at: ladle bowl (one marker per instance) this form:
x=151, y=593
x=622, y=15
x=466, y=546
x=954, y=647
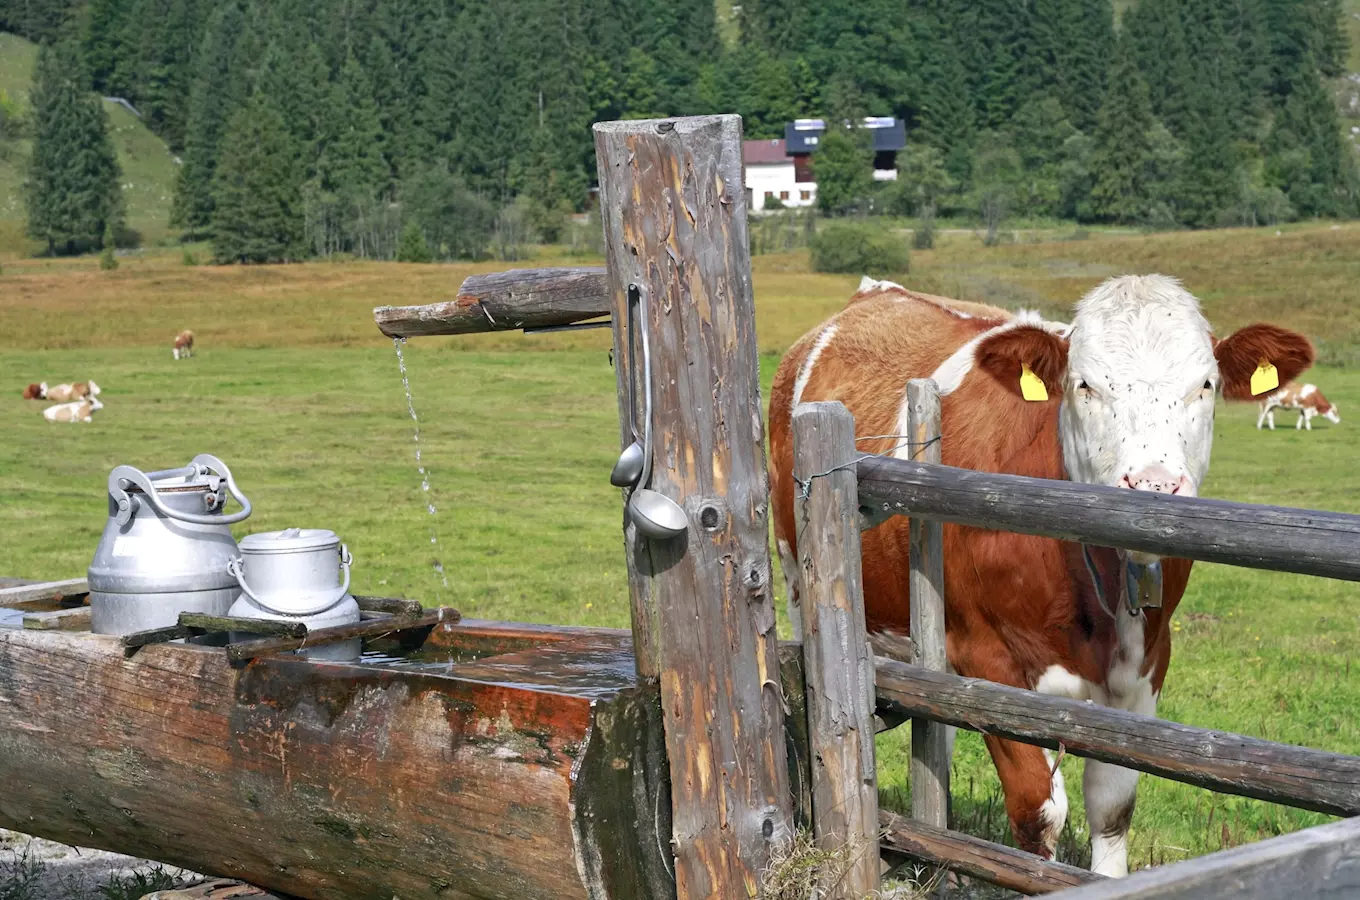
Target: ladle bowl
x=628, y=470
x=656, y=515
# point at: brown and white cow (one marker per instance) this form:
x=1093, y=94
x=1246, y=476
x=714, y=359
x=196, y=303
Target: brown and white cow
x=1131, y=386
x=184, y=345
x=36, y=391
x=66, y=393
x=76, y=411
x=1307, y=399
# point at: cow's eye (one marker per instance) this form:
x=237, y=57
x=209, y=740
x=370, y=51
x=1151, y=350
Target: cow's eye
x=1084, y=386
x=1208, y=385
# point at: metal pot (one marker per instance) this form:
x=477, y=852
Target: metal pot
x=292, y=576
x=165, y=547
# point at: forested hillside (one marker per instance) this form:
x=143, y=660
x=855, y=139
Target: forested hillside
x=346, y=119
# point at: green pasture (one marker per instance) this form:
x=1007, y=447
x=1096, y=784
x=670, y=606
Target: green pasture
x=519, y=444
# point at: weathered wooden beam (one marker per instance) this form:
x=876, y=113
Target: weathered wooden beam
x=47, y=590
x=929, y=741
x=136, y=640
x=838, y=663
x=240, y=651
x=1218, y=760
x=389, y=605
x=505, y=301
x=1241, y=534
x=204, y=623
x=994, y=863
x=76, y=618
x=675, y=226
x=1319, y=862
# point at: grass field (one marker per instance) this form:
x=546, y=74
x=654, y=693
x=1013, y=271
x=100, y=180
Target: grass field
x=294, y=387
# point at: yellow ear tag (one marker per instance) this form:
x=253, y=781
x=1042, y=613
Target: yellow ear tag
x=1032, y=386
x=1265, y=378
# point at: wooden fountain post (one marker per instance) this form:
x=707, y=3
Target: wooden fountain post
x=673, y=202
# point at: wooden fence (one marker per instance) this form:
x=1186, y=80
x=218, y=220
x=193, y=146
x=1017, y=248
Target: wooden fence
x=702, y=605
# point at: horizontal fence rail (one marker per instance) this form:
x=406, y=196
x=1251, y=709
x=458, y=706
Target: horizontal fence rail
x=506, y=301
x=1305, y=541
x=1221, y=761
x=1320, y=862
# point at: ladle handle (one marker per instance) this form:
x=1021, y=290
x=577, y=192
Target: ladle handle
x=237, y=571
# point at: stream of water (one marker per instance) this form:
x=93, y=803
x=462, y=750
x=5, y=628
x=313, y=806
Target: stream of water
x=421, y=467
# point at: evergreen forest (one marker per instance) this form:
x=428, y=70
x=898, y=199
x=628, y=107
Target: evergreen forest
x=433, y=128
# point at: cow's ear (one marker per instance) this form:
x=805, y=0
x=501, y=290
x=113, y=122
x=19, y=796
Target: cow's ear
x=1007, y=355
x=1243, y=351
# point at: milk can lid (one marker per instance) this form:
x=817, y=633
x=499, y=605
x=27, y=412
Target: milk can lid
x=290, y=540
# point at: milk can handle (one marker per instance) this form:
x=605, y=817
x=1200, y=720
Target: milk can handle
x=235, y=569
x=200, y=465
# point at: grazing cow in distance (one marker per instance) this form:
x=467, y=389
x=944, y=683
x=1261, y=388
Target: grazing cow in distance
x=184, y=345
x=36, y=391
x=78, y=411
x=1308, y=400
x=65, y=393
x=1127, y=400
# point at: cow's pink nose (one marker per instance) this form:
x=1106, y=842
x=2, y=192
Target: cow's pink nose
x=1159, y=479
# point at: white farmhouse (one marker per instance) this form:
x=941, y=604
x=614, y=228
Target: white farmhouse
x=770, y=174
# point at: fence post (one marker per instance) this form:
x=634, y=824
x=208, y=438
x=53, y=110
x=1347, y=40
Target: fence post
x=674, y=209
x=838, y=663
x=929, y=750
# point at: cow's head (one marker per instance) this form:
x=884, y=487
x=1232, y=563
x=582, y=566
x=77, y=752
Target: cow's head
x=1136, y=374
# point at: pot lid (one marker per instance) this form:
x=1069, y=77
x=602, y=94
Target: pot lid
x=290, y=540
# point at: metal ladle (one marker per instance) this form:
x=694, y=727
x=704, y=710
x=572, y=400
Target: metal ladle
x=655, y=515
x=627, y=471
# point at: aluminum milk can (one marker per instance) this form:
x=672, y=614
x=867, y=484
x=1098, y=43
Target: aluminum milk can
x=297, y=575
x=165, y=547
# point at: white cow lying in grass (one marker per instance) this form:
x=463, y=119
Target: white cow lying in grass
x=76, y=411
x=66, y=393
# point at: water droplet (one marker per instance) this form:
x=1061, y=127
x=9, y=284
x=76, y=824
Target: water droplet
x=397, y=344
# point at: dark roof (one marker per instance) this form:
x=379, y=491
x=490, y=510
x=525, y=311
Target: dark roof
x=758, y=152
x=804, y=135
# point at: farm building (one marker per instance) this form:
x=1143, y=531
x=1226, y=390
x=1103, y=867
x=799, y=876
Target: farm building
x=782, y=169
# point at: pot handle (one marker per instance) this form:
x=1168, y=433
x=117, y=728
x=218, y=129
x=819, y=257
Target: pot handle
x=199, y=465
x=235, y=570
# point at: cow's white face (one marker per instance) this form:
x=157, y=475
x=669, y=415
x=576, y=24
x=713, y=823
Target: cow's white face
x=1138, y=397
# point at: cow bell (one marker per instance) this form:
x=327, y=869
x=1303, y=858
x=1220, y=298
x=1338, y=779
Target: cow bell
x=1142, y=584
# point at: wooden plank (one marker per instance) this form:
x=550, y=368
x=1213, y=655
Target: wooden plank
x=135, y=641
x=214, y=624
x=1306, y=541
x=389, y=605
x=1319, y=862
x=675, y=225
x=839, y=664
x=1218, y=760
x=240, y=651
x=994, y=863
x=505, y=301
x=929, y=741
x=47, y=590
x=74, y=619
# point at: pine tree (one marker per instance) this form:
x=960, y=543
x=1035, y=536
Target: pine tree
x=1307, y=157
x=108, y=261
x=413, y=248
x=257, y=212
x=1122, y=146
x=843, y=165
x=209, y=108
x=73, y=192
x=352, y=162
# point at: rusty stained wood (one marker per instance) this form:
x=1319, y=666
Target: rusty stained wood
x=838, y=662
x=929, y=741
x=1319, y=863
x=1218, y=760
x=337, y=781
x=1306, y=541
x=672, y=197
x=977, y=858
x=505, y=301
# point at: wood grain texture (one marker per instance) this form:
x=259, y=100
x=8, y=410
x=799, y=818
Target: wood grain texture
x=505, y=301
x=46, y=590
x=929, y=741
x=337, y=781
x=1321, y=863
x=239, y=651
x=1218, y=760
x=976, y=858
x=675, y=225
x=1306, y=541
x=75, y=619
x=838, y=663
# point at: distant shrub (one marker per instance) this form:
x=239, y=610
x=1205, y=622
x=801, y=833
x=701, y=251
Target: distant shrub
x=924, y=236
x=188, y=258
x=858, y=248
x=772, y=202
x=107, y=261
x=413, y=248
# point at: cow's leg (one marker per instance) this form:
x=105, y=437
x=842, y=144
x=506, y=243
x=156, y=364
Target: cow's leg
x=1261, y=419
x=789, y=563
x=1109, y=792
x=1270, y=419
x=1036, y=799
